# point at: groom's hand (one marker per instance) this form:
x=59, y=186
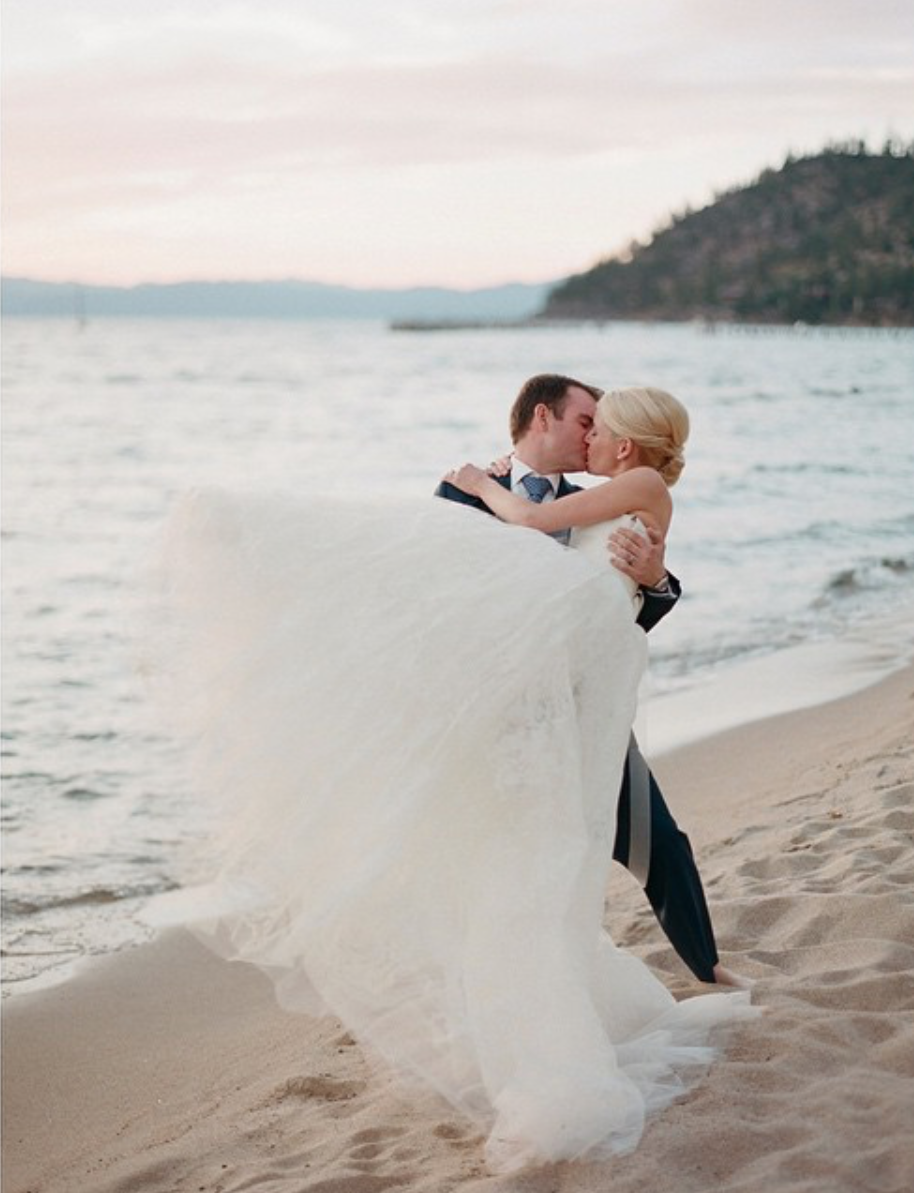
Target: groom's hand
x=639, y=557
x=501, y=466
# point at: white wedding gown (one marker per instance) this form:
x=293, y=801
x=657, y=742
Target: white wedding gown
x=412, y=720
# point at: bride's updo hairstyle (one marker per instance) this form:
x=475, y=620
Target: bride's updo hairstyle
x=653, y=419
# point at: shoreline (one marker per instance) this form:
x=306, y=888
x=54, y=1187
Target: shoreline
x=758, y=688
x=163, y=1068
x=711, y=325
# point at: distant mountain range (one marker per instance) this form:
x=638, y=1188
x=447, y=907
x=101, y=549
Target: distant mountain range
x=826, y=239
x=269, y=300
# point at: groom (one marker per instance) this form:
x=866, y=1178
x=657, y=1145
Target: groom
x=549, y=423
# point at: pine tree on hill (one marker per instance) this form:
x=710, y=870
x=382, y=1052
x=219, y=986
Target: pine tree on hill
x=826, y=239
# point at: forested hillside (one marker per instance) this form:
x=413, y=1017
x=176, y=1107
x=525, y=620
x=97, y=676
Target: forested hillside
x=824, y=239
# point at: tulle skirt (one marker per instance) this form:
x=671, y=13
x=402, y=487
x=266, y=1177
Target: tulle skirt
x=411, y=720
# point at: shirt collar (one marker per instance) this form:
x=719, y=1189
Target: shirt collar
x=519, y=470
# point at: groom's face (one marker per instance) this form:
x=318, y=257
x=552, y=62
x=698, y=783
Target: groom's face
x=567, y=435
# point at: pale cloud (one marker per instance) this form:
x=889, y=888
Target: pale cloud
x=322, y=139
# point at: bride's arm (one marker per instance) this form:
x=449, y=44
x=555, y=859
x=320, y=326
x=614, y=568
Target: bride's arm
x=641, y=490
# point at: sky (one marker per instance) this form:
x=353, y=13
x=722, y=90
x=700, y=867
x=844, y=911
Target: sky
x=393, y=143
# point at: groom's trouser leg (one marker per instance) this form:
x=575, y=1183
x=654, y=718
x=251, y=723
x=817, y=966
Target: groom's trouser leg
x=674, y=885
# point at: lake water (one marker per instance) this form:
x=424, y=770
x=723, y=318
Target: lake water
x=794, y=525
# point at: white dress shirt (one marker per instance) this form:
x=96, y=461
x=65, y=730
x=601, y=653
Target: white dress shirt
x=519, y=470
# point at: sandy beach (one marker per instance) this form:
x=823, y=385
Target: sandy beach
x=165, y=1070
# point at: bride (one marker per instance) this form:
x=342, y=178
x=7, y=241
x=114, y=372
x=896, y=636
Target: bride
x=410, y=720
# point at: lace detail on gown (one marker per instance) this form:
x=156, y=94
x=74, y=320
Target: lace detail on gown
x=412, y=720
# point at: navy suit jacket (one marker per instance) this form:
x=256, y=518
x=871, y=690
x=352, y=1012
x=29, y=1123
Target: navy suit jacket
x=653, y=607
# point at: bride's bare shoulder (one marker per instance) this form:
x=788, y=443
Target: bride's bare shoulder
x=648, y=477
x=641, y=480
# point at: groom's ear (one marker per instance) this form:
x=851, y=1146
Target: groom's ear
x=541, y=416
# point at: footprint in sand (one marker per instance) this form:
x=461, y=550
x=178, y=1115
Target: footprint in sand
x=321, y=1087
x=455, y=1134
x=373, y=1142
x=373, y=1149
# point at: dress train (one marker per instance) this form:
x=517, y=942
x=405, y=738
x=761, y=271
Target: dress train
x=411, y=720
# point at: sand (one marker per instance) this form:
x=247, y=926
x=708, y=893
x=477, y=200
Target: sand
x=166, y=1070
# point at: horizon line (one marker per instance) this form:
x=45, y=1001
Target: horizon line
x=280, y=281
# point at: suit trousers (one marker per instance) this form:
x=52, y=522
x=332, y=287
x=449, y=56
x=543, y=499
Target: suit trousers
x=674, y=887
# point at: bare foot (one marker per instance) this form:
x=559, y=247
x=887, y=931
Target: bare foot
x=726, y=977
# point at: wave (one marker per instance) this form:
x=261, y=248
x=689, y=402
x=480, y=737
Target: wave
x=799, y=467
x=861, y=578
x=678, y=667
x=22, y=906
x=123, y=379
x=86, y=793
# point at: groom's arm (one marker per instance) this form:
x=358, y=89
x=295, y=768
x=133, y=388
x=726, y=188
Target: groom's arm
x=451, y=493
x=658, y=602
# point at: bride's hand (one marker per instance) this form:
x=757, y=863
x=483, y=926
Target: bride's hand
x=469, y=478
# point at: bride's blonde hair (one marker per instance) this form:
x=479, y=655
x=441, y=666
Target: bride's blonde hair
x=653, y=419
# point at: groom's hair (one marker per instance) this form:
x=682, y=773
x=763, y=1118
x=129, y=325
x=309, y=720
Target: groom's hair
x=547, y=389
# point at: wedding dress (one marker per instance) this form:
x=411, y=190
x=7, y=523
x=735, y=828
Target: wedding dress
x=412, y=720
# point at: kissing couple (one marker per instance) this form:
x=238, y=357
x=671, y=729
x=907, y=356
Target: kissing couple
x=415, y=722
